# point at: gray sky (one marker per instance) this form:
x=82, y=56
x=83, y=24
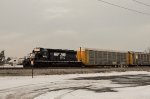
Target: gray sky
x=26, y=24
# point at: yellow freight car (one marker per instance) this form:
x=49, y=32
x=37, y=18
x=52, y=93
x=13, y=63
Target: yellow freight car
x=93, y=57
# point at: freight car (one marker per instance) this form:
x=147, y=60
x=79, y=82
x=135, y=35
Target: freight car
x=139, y=58
x=94, y=57
x=41, y=57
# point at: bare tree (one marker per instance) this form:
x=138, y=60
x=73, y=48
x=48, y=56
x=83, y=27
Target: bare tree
x=147, y=50
x=2, y=58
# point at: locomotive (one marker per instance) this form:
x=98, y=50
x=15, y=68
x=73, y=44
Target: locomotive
x=43, y=57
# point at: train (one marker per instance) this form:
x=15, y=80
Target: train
x=85, y=57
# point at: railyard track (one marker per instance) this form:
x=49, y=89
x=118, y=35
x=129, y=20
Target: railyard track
x=19, y=71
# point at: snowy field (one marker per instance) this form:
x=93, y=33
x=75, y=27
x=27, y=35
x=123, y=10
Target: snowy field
x=9, y=66
x=115, y=85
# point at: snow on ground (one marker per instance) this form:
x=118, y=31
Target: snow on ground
x=77, y=86
x=9, y=66
x=15, y=81
x=124, y=93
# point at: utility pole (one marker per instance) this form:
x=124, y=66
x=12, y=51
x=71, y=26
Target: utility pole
x=32, y=64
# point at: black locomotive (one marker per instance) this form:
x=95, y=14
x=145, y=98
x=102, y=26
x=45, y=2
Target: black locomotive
x=42, y=57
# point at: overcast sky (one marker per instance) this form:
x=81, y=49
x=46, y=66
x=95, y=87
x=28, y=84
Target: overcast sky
x=26, y=24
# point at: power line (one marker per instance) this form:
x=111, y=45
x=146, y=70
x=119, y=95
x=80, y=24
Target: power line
x=141, y=3
x=124, y=7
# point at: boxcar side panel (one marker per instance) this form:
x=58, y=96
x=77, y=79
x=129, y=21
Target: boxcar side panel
x=97, y=57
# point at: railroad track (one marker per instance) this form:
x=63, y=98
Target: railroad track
x=58, y=67
x=67, y=67
x=64, y=70
x=2, y=68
